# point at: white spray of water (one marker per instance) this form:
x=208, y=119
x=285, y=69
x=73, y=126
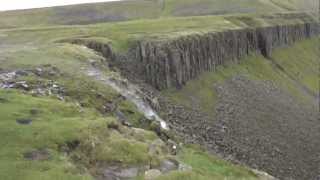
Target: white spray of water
x=129, y=91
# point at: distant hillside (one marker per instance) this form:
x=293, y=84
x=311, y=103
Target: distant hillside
x=136, y=9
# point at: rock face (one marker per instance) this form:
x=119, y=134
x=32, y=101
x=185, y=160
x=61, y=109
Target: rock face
x=174, y=62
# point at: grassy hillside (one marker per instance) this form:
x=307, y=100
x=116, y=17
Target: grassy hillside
x=137, y=9
x=121, y=34
x=44, y=137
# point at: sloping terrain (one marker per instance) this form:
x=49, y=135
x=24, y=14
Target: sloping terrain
x=59, y=123
x=257, y=113
x=141, y=9
x=83, y=101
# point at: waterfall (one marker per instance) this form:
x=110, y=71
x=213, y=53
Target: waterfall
x=130, y=92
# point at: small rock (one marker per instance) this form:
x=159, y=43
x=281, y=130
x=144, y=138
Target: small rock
x=173, y=146
x=168, y=165
x=156, y=146
x=22, y=85
x=184, y=167
x=122, y=118
x=128, y=173
x=24, y=121
x=152, y=174
x=21, y=73
x=61, y=98
x=38, y=71
x=109, y=174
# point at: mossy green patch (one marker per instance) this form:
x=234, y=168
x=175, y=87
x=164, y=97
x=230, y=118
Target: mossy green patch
x=55, y=123
x=301, y=62
x=129, y=10
x=207, y=167
x=57, y=126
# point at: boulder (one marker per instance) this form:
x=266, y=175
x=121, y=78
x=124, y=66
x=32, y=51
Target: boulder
x=152, y=174
x=168, y=165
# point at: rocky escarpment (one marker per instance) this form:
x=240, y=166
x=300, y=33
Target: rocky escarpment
x=173, y=63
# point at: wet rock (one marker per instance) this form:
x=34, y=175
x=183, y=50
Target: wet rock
x=37, y=155
x=128, y=173
x=173, y=146
x=168, y=165
x=8, y=76
x=38, y=71
x=22, y=85
x=46, y=71
x=116, y=173
x=22, y=73
x=24, y=121
x=152, y=174
x=156, y=147
x=109, y=176
x=263, y=175
x=184, y=167
x=38, y=92
x=122, y=118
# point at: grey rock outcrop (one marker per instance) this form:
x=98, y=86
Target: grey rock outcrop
x=174, y=62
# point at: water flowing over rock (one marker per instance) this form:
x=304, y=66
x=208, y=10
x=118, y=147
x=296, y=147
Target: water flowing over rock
x=129, y=91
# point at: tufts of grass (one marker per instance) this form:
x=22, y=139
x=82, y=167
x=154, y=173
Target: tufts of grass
x=54, y=123
x=133, y=10
x=301, y=66
x=207, y=167
x=58, y=127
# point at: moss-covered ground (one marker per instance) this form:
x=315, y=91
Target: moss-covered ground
x=206, y=167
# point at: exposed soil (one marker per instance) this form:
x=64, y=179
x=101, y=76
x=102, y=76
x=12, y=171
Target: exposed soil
x=37, y=155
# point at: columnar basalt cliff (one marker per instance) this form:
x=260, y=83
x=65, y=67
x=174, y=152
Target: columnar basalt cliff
x=173, y=63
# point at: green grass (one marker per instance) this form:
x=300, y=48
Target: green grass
x=207, y=167
x=61, y=122
x=132, y=10
x=56, y=124
x=80, y=14
x=122, y=35
x=300, y=61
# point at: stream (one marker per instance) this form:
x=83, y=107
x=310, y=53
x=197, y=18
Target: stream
x=130, y=91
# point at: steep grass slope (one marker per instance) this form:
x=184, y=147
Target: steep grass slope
x=137, y=9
